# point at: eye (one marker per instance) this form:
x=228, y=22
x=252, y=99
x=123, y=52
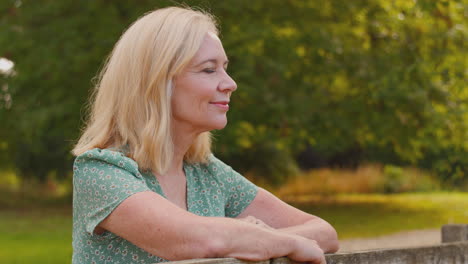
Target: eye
x=209, y=70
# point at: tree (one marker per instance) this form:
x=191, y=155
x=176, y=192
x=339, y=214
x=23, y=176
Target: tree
x=382, y=78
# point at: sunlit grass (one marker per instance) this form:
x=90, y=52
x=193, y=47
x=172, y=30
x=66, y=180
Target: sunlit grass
x=368, y=215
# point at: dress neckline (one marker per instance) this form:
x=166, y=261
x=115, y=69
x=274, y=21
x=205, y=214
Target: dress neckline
x=188, y=184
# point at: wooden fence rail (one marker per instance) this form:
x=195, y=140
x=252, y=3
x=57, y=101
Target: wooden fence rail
x=452, y=250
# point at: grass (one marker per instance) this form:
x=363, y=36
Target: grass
x=43, y=234
x=37, y=235
x=369, y=215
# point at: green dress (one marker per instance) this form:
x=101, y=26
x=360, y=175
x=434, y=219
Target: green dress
x=104, y=178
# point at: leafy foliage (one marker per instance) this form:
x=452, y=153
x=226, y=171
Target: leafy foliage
x=386, y=79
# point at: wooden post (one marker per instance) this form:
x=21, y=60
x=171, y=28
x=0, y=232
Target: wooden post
x=454, y=233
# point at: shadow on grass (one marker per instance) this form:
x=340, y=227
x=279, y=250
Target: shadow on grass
x=27, y=199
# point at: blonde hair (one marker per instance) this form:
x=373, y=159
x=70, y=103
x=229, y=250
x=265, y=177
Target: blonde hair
x=132, y=98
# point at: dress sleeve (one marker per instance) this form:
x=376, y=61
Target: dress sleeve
x=102, y=179
x=238, y=191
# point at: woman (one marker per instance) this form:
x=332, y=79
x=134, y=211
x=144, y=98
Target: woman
x=146, y=186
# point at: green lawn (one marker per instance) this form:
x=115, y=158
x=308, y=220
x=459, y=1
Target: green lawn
x=364, y=215
x=43, y=235
x=35, y=236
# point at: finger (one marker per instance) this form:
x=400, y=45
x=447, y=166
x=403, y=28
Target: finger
x=262, y=224
x=324, y=261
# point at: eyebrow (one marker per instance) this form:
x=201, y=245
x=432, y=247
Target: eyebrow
x=211, y=60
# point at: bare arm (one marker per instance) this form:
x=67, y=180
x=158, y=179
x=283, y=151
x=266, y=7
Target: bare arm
x=279, y=215
x=151, y=222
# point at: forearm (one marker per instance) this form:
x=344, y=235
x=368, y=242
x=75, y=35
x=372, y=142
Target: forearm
x=211, y=237
x=175, y=234
x=232, y=238
x=237, y=239
x=318, y=230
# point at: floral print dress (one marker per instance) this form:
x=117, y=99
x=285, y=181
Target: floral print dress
x=103, y=178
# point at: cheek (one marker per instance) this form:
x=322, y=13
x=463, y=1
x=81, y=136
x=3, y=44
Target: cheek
x=191, y=102
x=200, y=95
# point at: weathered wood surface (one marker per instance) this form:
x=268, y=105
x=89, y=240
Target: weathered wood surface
x=454, y=253
x=454, y=233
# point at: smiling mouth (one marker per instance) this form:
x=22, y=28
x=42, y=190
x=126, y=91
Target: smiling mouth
x=221, y=104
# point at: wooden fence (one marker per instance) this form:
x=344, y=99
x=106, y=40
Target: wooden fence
x=452, y=250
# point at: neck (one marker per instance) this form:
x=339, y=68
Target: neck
x=182, y=138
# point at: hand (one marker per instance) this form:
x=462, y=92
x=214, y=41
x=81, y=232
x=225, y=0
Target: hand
x=307, y=250
x=252, y=220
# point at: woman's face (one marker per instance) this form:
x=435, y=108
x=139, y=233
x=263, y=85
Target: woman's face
x=200, y=99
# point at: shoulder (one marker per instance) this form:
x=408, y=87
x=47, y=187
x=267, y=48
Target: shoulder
x=215, y=163
x=105, y=158
x=220, y=170
x=214, y=167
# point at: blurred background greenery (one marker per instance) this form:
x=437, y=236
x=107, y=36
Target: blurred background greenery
x=334, y=97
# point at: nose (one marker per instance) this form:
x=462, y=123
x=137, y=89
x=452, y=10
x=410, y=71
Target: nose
x=227, y=84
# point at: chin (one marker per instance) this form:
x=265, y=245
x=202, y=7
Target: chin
x=219, y=124
x=219, y=127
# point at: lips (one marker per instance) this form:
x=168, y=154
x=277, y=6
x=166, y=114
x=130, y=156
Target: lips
x=221, y=104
